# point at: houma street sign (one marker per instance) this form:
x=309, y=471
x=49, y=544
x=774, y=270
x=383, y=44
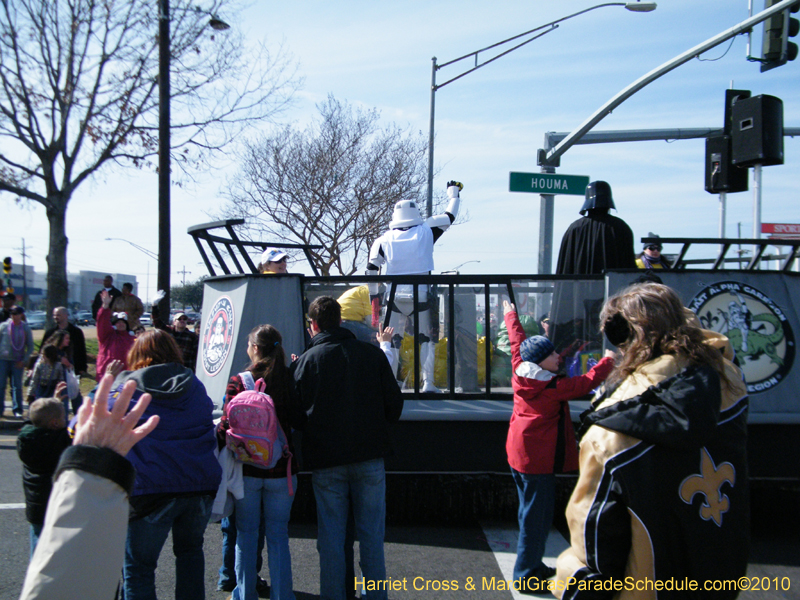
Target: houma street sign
x=548, y=183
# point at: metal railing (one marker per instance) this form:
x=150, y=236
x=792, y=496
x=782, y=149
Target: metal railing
x=724, y=245
x=236, y=248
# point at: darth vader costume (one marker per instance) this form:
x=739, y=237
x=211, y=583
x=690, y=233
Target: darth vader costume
x=597, y=241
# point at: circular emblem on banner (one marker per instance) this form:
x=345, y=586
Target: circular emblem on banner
x=218, y=336
x=756, y=327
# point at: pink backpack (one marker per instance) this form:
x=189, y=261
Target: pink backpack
x=255, y=435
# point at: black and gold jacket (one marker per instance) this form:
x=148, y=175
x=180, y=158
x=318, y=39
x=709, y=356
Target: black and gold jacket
x=663, y=490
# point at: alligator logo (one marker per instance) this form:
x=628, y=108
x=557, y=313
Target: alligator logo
x=709, y=483
x=757, y=329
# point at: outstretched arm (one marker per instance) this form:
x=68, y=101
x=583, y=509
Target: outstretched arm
x=444, y=221
x=96, y=426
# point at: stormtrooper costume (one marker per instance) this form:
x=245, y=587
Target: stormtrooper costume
x=407, y=249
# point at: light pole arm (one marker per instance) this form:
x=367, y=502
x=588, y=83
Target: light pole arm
x=551, y=25
x=149, y=253
x=551, y=158
x=547, y=27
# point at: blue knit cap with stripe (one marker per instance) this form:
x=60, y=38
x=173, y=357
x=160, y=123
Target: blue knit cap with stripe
x=536, y=348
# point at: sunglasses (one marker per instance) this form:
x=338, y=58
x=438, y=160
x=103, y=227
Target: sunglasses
x=653, y=248
x=183, y=319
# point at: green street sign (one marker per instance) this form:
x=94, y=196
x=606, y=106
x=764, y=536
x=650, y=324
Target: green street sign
x=548, y=183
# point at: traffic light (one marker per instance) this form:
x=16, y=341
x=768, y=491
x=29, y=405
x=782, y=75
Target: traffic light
x=721, y=175
x=776, y=49
x=7, y=265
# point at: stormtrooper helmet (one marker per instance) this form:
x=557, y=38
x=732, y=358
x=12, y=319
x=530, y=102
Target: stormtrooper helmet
x=406, y=214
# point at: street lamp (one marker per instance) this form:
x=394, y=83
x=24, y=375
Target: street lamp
x=164, y=243
x=149, y=253
x=538, y=32
x=457, y=267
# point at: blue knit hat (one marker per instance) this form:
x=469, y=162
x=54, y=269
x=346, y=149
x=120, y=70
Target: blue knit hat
x=536, y=348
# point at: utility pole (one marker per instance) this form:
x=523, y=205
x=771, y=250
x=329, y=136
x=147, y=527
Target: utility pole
x=184, y=272
x=25, y=303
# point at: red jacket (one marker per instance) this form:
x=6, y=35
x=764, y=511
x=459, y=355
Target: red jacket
x=541, y=437
x=112, y=344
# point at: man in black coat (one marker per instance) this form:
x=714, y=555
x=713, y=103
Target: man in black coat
x=108, y=285
x=348, y=390
x=597, y=241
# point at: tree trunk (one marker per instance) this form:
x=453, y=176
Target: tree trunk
x=57, y=284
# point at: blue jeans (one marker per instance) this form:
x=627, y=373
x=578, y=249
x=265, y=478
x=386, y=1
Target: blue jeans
x=187, y=517
x=9, y=371
x=270, y=498
x=536, y=504
x=36, y=531
x=364, y=485
x=227, y=571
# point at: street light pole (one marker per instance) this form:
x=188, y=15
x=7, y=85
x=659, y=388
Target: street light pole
x=538, y=31
x=164, y=225
x=429, y=204
x=164, y=147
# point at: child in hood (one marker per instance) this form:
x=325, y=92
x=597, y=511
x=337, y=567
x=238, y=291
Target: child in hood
x=541, y=440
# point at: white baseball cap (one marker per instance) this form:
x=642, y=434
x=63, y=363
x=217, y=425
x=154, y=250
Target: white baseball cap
x=272, y=255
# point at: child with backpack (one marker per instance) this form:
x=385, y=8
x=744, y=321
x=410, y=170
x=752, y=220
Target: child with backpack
x=541, y=441
x=267, y=493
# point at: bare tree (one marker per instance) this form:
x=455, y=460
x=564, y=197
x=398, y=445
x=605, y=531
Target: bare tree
x=78, y=91
x=333, y=184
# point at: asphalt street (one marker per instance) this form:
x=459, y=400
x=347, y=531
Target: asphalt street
x=425, y=556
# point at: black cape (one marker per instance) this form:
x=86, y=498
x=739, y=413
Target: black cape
x=594, y=243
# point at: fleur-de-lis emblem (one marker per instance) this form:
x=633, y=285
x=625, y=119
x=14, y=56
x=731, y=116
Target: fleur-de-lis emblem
x=709, y=483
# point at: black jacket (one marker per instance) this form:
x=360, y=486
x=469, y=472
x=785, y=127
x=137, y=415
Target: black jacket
x=39, y=449
x=113, y=292
x=347, y=389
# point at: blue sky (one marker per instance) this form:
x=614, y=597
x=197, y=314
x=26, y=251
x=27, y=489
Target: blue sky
x=487, y=124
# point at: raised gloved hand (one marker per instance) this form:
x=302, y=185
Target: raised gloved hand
x=453, y=188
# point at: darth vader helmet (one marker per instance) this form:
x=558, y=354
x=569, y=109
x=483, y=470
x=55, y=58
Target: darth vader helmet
x=598, y=195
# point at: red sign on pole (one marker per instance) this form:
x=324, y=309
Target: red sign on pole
x=781, y=230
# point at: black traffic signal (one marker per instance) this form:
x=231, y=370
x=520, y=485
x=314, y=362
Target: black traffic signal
x=7, y=265
x=776, y=49
x=721, y=175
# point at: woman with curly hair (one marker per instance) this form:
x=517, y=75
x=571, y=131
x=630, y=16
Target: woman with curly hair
x=662, y=491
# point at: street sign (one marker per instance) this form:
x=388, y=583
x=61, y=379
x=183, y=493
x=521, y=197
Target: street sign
x=548, y=183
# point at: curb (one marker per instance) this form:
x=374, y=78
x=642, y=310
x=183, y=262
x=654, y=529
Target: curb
x=10, y=424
